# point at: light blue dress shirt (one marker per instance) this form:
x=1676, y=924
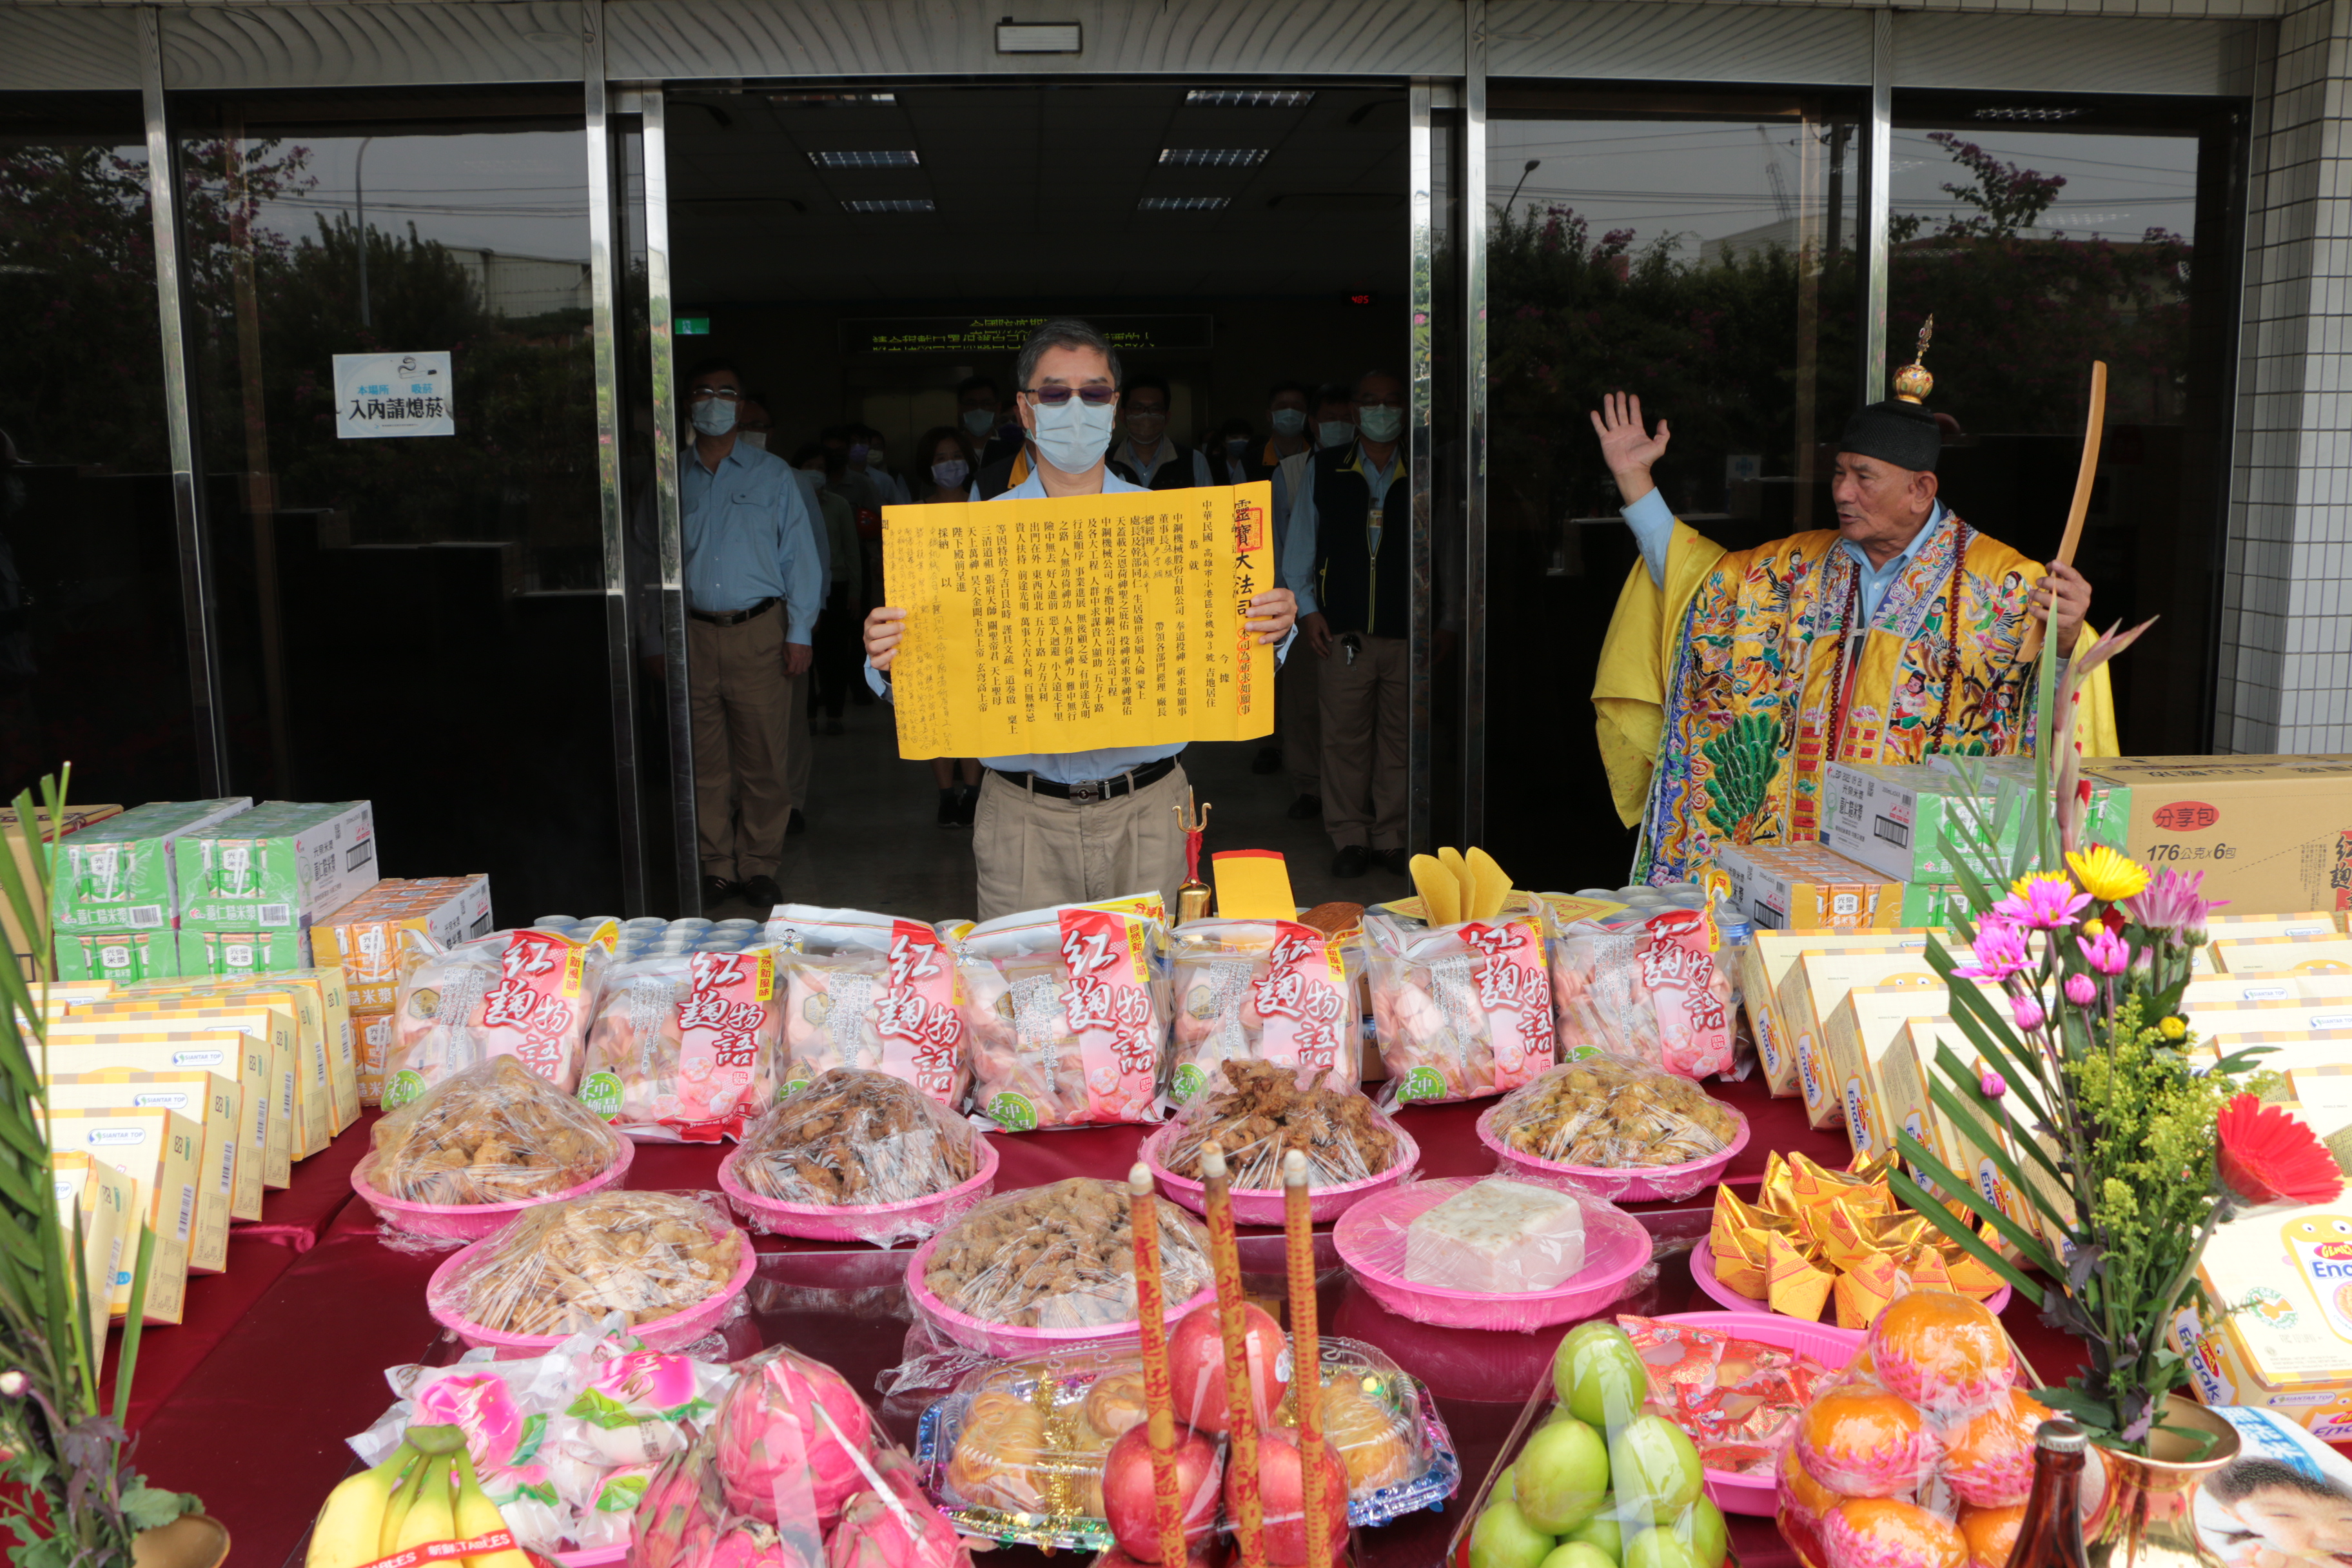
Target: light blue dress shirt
x=748, y=536
x=1298, y=540
x=1653, y=522
x=812, y=487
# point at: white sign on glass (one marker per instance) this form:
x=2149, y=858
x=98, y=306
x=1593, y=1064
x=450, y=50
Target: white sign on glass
x=392, y=394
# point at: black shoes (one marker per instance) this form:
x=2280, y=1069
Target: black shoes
x=950, y=807
x=798, y=824
x=833, y=726
x=1305, y=808
x=763, y=894
x=717, y=890
x=1353, y=860
x=1267, y=761
x=968, y=806
x=1398, y=861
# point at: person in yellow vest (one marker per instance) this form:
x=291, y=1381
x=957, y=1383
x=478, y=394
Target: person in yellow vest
x=1728, y=680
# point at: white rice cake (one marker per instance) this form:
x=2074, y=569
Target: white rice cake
x=1498, y=1236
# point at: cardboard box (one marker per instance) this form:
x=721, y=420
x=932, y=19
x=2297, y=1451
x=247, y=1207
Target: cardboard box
x=2206, y=991
x=2284, y=955
x=82, y=1047
x=119, y=876
x=2269, y=832
x=319, y=1013
x=1907, y=1074
x=363, y=936
x=242, y=954
x=375, y=1033
x=1808, y=887
x=1810, y=995
x=2281, y=1337
x=100, y=1197
x=301, y=1055
x=1765, y=962
x=275, y=1026
x=158, y=1150
x=279, y=867
x=20, y=845
x=1905, y=819
x=211, y=1103
x=1860, y=1033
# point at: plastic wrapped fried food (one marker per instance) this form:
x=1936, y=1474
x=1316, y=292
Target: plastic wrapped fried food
x=855, y=1136
x=685, y=1049
x=495, y=1133
x=1065, y=1013
x=1460, y=1011
x=1608, y=1111
x=1649, y=990
x=1272, y=991
x=1258, y=1113
x=1061, y=1257
x=870, y=991
x=529, y=995
x=560, y=1268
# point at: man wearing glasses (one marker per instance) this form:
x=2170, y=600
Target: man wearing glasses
x=753, y=587
x=1071, y=827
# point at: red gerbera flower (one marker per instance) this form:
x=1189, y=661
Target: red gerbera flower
x=2267, y=1154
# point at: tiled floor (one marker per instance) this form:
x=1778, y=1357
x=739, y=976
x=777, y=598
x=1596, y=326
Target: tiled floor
x=871, y=842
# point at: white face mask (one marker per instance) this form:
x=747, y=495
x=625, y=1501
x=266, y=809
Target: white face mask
x=755, y=438
x=1380, y=422
x=981, y=422
x=1074, y=436
x=714, y=417
x=1289, y=421
x=1335, y=432
x=816, y=478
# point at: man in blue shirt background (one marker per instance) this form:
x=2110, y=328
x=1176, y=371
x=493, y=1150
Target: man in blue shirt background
x=753, y=588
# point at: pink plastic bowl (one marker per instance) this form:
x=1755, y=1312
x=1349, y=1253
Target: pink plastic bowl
x=674, y=1333
x=1702, y=1275
x=1006, y=1342
x=473, y=1222
x=1616, y=1249
x=860, y=1222
x=1258, y=1205
x=1625, y=1183
x=1833, y=1348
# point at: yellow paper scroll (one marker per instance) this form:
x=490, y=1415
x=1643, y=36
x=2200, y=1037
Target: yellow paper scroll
x=1087, y=622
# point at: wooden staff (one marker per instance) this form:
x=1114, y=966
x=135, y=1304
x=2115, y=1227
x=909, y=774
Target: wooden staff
x=1306, y=1355
x=2093, y=434
x=1226, y=1256
x=1159, y=1396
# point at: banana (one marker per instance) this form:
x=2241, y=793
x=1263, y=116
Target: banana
x=350, y=1524
x=476, y=1515
x=395, y=1511
x=433, y=1515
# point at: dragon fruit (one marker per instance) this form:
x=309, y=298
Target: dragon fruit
x=679, y=1504
x=871, y=1535
x=777, y=1457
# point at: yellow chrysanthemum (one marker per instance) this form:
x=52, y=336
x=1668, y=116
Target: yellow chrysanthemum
x=2023, y=886
x=2107, y=875
x=2173, y=1028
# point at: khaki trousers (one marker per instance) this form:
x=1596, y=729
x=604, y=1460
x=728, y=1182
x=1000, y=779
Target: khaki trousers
x=803, y=755
x=1365, y=756
x=1031, y=850
x=1297, y=714
x=739, y=701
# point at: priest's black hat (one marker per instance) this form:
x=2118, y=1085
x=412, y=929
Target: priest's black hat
x=1897, y=431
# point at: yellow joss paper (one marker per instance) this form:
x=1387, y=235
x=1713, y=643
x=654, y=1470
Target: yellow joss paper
x=1773, y=1193
x=1746, y=1269
x=1970, y=1278
x=1862, y=1292
x=1796, y=1286
x=1926, y=1269
x=1845, y=1240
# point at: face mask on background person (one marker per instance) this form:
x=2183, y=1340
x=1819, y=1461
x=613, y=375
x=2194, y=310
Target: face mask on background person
x=817, y=474
x=1236, y=446
x=951, y=474
x=1334, y=432
x=1380, y=422
x=1074, y=435
x=714, y=417
x=755, y=439
x=879, y=459
x=1289, y=421
x=857, y=452
x=981, y=422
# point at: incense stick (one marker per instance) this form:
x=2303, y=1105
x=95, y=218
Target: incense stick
x=1159, y=1396
x=1306, y=1355
x=1225, y=1253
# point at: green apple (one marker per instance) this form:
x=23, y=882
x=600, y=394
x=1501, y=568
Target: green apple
x=1504, y=1538
x=1701, y=1528
x=1659, y=1547
x=1602, y=1529
x=1579, y=1555
x=1563, y=1475
x=1600, y=1375
x=1655, y=1468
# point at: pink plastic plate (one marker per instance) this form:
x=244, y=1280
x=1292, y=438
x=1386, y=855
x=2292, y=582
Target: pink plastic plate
x=1006, y=1342
x=1703, y=1274
x=884, y=1223
x=1257, y=1206
x=1625, y=1183
x=473, y=1222
x=1833, y=1348
x=674, y=1333
x=1615, y=1249
x=591, y=1558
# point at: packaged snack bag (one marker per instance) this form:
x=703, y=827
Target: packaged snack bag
x=1649, y=989
x=871, y=992
x=685, y=1048
x=1459, y=1011
x=1269, y=991
x=529, y=995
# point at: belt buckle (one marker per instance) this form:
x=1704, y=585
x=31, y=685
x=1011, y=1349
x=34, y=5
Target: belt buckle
x=1090, y=790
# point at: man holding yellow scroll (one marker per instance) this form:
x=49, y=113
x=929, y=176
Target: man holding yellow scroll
x=1067, y=827
x=1729, y=680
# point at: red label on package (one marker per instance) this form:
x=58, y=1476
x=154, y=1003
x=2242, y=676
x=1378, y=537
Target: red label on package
x=444, y=1551
x=2187, y=816
x=720, y=1022
x=922, y=1033
x=1515, y=989
x=1679, y=975
x=536, y=998
x=1109, y=1012
x=1302, y=1001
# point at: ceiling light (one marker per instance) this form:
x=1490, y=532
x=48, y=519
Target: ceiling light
x=831, y=99
x=892, y=204
x=1180, y=204
x=865, y=158
x=1212, y=157
x=1249, y=98
x=2020, y=112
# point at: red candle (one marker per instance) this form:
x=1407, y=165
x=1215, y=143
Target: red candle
x=1226, y=1256
x=1307, y=1355
x=1159, y=1396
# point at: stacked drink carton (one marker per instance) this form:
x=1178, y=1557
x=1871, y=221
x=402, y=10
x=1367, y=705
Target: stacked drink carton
x=116, y=900
x=250, y=887
x=365, y=937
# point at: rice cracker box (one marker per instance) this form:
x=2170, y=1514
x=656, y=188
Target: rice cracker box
x=99, y=1196
x=2280, y=1334
x=209, y=1101
x=158, y=1149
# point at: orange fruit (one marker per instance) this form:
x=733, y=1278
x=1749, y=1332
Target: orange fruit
x=1880, y=1533
x=1991, y=1532
x=1863, y=1442
x=1798, y=1491
x=1944, y=1353
x=1989, y=1458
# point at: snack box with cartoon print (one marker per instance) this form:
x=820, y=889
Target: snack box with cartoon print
x=158, y=1149
x=101, y=1197
x=2280, y=1336
x=211, y=1103
x=1764, y=964
x=236, y=1059
x=245, y=1048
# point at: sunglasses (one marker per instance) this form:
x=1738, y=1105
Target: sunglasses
x=1054, y=396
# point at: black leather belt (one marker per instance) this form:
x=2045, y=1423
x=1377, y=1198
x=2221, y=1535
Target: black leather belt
x=735, y=617
x=1091, y=789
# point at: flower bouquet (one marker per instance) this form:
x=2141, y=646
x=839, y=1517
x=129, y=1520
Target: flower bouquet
x=2087, y=1090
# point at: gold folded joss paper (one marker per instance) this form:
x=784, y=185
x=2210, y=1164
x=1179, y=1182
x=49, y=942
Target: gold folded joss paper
x=1815, y=1234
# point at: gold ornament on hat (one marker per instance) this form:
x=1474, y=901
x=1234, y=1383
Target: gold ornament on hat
x=1912, y=383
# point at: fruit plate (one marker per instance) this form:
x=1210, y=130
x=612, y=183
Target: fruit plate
x=473, y=1222
x=1260, y=1205
x=1703, y=1274
x=593, y=1556
x=1833, y=1347
x=1616, y=1249
x=884, y=1224
x=1005, y=1341
x=1624, y=1183
x=674, y=1333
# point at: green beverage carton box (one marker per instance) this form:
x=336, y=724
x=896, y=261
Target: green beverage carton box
x=256, y=949
x=1907, y=820
x=277, y=868
x=118, y=880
